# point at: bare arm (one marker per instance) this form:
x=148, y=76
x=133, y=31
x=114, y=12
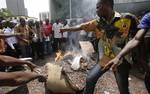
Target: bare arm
x=7, y=60
x=78, y=28
x=19, y=78
x=130, y=45
x=133, y=43
x=9, y=35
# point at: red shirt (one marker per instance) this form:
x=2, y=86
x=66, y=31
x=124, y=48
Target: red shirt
x=47, y=29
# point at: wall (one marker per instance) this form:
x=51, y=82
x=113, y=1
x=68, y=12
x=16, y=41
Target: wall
x=86, y=8
x=128, y=1
x=17, y=7
x=135, y=8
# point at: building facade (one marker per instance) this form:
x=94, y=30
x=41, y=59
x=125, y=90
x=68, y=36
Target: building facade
x=82, y=8
x=133, y=6
x=71, y=8
x=44, y=15
x=17, y=7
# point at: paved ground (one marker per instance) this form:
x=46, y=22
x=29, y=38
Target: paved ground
x=105, y=85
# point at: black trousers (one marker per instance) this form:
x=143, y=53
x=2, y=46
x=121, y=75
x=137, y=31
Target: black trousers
x=57, y=44
x=121, y=77
x=147, y=62
x=147, y=82
x=14, y=53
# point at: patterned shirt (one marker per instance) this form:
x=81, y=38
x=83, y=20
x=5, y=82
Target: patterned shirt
x=26, y=31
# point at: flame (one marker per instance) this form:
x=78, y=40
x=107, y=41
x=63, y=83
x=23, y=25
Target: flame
x=77, y=63
x=59, y=56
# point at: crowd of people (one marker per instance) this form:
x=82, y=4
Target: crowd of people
x=37, y=39
x=21, y=38
x=34, y=37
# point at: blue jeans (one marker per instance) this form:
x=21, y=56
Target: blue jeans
x=147, y=62
x=121, y=77
x=47, y=47
x=147, y=82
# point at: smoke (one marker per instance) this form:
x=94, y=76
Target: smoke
x=73, y=41
x=84, y=8
x=81, y=10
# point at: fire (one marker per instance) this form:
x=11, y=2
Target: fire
x=78, y=62
x=59, y=56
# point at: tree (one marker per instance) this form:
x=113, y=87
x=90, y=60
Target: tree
x=4, y=12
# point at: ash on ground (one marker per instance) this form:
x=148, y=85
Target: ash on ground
x=105, y=85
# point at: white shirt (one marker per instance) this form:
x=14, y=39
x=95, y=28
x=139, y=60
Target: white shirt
x=90, y=34
x=15, y=21
x=83, y=33
x=56, y=28
x=11, y=40
x=65, y=34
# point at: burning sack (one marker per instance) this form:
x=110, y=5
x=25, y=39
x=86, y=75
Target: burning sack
x=75, y=71
x=56, y=81
x=86, y=47
x=68, y=73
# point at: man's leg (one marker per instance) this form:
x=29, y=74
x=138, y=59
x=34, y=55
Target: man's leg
x=92, y=78
x=48, y=47
x=18, y=78
x=41, y=49
x=147, y=82
x=23, y=51
x=55, y=45
x=33, y=50
x=122, y=75
x=147, y=63
x=17, y=50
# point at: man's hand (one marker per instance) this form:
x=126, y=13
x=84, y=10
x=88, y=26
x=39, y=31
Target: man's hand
x=18, y=34
x=31, y=65
x=62, y=30
x=113, y=64
x=26, y=41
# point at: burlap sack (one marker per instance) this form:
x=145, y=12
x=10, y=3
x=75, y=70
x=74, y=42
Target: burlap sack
x=56, y=81
x=86, y=47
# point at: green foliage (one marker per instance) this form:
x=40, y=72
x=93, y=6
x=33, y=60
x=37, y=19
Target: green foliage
x=4, y=12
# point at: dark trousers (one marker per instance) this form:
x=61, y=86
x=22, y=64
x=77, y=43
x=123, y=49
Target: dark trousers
x=11, y=52
x=147, y=63
x=41, y=49
x=121, y=77
x=38, y=49
x=57, y=44
x=64, y=42
x=34, y=51
x=147, y=82
x=25, y=51
x=47, y=47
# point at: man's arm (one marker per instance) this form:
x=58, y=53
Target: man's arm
x=19, y=78
x=89, y=26
x=7, y=60
x=129, y=46
x=77, y=28
x=133, y=43
x=9, y=35
x=17, y=30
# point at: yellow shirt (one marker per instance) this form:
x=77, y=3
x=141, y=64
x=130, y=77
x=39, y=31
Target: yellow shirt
x=2, y=44
x=124, y=25
x=26, y=34
x=109, y=51
x=91, y=26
